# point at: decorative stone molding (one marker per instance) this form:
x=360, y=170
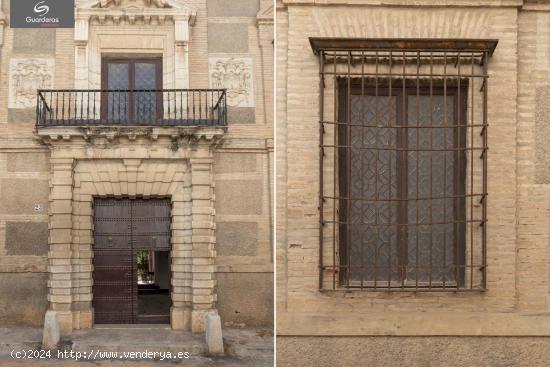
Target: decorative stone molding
x=265, y=16
x=265, y=24
x=103, y=136
x=124, y=18
x=234, y=74
x=2, y=24
x=90, y=162
x=131, y=4
x=26, y=76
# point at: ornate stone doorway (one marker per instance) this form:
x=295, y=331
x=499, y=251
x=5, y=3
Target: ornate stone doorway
x=132, y=162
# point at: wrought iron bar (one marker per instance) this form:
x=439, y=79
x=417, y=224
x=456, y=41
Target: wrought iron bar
x=402, y=196
x=144, y=107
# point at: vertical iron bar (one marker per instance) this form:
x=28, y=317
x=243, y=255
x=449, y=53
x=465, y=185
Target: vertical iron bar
x=361, y=174
x=431, y=183
x=458, y=170
x=38, y=109
x=56, y=105
x=402, y=168
x=445, y=153
x=336, y=153
x=390, y=195
x=471, y=127
x=376, y=195
x=485, y=153
x=417, y=249
x=169, y=103
x=321, y=158
x=51, y=106
x=63, y=107
x=69, y=108
x=348, y=168
x=193, y=98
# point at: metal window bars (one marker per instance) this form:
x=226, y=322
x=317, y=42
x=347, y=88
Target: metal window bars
x=403, y=164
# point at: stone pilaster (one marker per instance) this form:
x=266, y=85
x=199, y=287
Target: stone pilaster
x=81, y=52
x=2, y=24
x=203, y=236
x=181, y=53
x=60, y=280
x=265, y=23
x=182, y=247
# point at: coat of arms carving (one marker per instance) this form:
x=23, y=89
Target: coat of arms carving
x=26, y=77
x=234, y=74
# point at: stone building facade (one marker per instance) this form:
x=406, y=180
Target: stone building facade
x=505, y=321
x=215, y=173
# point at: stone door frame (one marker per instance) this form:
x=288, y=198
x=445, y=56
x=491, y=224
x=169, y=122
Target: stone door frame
x=124, y=163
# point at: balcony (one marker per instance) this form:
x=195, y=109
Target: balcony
x=157, y=108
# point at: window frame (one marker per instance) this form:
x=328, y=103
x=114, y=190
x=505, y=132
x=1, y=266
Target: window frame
x=459, y=91
x=131, y=61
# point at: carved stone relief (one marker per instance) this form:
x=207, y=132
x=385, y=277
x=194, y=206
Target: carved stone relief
x=234, y=74
x=26, y=76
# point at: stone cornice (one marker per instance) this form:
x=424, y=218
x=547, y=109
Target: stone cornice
x=101, y=135
x=117, y=16
x=265, y=16
x=536, y=5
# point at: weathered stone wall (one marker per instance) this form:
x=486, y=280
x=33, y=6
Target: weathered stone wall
x=24, y=180
x=239, y=37
x=412, y=351
x=239, y=33
x=516, y=302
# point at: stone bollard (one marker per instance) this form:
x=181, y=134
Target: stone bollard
x=214, y=338
x=50, y=338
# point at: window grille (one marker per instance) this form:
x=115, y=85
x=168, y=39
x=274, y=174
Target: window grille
x=403, y=163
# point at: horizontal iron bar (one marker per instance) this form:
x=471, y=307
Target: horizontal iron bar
x=401, y=75
x=129, y=90
x=482, y=195
x=399, y=44
x=390, y=126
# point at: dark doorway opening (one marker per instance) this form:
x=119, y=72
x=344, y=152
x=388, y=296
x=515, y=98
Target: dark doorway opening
x=153, y=282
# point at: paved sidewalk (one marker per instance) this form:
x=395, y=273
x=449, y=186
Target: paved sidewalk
x=244, y=347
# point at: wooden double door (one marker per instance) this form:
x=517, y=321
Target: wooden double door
x=122, y=227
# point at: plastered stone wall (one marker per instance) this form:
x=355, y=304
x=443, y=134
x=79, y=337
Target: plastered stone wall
x=412, y=351
x=24, y=186
x=240, y=57
x=516, y=301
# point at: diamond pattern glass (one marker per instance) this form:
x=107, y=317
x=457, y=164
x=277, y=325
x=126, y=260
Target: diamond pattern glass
x=430, y=188
x=373, y=230
x=145, y=108
x=118, y=102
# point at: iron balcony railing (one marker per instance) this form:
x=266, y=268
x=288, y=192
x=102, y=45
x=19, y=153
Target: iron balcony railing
x=166, y=107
